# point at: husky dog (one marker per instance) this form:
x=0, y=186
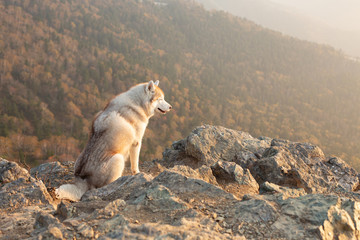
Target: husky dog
x=115, y=135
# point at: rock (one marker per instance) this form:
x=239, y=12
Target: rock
x=324, y=216
x=303, y=165
x=209, y=144
x=285, y=192
x=187, y=230
x=279, y=166
x=231, y=172
x=219, y=219
x=353, y=209
x=111, y=209
x=120, y=188
x=112, y=223
x=18, y=224
x=23, y=192
x=66, y=210
x=11, y=171
x=306, y=217
x=54, y=174
x=157, y=198
x=344, y=175
x=205, y=187
x=184, y=186
x=44, y=219
x=84, y=230
x=305, y=150
x=51, y=233
x=204, y=173
x=256, y=211
x=177, y=155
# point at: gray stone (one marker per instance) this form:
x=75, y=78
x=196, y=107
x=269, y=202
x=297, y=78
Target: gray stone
x=121, y=188
x=44, y=219
x=111, y=209
x=66, y=210
x=279, y=166
x=353, y=209
x=54, y=174
x=184, y=187
x=231, y=172
x=204, y=173
x=303, y=165
x=344, y=175
x=11, y=171
x=112, y=223
x=157, y=198
x=256, y=211
x=19, y=223
x=324, y=216
x=311, y=208
x=52, y=232
x=189, y=229
x=84, y=230
x=285, y=192
x=201, y=189
x=23, y=192
x=209, y=144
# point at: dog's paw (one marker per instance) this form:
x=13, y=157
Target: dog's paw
x=58, y=193
x=134, y=172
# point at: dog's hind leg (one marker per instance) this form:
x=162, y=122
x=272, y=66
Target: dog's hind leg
x=115, y=168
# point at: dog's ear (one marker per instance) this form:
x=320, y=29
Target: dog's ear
x=157, y=83
x=150, y=86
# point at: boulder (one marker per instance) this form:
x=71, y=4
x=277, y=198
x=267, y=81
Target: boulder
x=204, y=173
x=156, y=198
x=205, y=187
x=187, y=230
x=18, y=224
x=44, y=219
x=303, y=165
x=191, y=188
x=54, y=174
x=345, y=176
x=121, y=188
x=210, y=144
x=11, y=171
x=231, y=172
x=321, y=216
x=23, y=192
x=285, y=192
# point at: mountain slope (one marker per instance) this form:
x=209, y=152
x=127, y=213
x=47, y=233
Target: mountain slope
x=60, y=61
x=290, y=21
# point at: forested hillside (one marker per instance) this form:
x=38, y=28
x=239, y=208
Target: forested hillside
x=61, y=60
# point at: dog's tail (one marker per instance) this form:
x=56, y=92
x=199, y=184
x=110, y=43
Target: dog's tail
x=74, y=191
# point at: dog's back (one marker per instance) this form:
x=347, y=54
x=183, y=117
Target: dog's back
x=116, y=133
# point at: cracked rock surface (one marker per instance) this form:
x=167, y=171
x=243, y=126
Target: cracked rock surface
x=217, y=183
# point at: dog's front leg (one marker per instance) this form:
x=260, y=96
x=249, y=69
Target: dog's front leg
x=134, y=157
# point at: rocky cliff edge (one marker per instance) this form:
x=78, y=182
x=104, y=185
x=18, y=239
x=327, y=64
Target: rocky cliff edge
x=217, y=183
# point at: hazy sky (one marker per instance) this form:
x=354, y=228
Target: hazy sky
x=343, y=14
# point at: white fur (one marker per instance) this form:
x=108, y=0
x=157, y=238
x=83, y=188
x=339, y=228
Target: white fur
x=117, y=134
x=71, y=191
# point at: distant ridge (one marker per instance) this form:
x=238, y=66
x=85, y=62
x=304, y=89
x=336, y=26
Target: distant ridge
x=290, y=22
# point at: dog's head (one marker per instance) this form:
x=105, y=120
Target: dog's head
x=156, y=98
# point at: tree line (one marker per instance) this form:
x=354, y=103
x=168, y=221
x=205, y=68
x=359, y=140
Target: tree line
x=62, y=60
